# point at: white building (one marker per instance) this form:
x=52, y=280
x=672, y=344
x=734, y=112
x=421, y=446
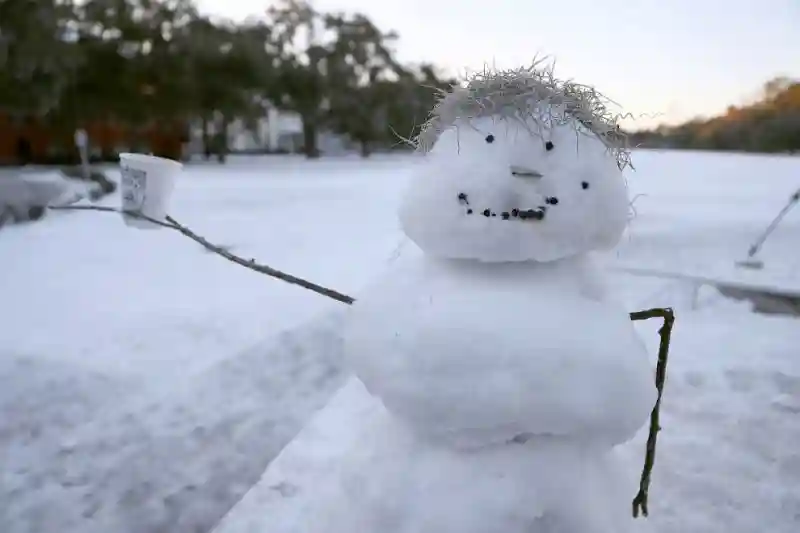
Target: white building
x=279, y=131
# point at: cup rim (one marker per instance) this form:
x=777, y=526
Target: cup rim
x=146, y=158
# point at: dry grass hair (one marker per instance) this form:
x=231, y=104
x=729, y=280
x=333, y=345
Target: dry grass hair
x=528, y=95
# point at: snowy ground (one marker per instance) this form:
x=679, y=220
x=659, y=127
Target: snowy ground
x=145, y=384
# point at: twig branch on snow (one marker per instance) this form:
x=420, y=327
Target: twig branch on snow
x=665, y=333
x=172, y=224
x=639, y=502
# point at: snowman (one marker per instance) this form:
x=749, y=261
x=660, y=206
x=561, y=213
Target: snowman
x=505, y=373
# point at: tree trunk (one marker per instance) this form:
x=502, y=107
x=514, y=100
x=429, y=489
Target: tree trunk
x=310, y=137
x=365, y=148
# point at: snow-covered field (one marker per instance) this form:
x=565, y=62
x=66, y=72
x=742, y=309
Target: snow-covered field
x=145, y=384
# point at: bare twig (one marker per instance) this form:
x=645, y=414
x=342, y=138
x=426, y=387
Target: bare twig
x=665, y=332
x=172, y=224
x=639, y=502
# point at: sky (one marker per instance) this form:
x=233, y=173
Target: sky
x=664, y=61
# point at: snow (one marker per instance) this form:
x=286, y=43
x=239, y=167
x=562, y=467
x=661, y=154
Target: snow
x=492, y=177
x=22, y=189
x=151, y=383
x=147, y=383
x=94, y=454
x=706, y=209
x=378, y=466
x=442, y=365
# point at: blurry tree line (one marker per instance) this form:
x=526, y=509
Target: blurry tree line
x=140, y=62
x=772, y=124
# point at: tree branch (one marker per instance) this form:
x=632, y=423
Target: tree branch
x=639, y=502
x=172, y=224
x=665, y=332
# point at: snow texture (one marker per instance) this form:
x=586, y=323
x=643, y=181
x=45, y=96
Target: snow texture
x=389, y=481
x=80, y=467
x=354, y=469
x=146, y=384
x=477, y=353
x=455, y=205
x=22, y=189
x=27, y=189
x=103, y=326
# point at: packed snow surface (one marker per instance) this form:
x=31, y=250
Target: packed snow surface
x=392, y=481
x=479, y=353
x=146, y=384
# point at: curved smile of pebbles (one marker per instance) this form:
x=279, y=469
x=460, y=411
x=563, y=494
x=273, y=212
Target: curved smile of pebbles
x=521, y=214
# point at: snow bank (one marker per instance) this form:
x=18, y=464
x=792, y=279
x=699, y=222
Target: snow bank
x=95, y=318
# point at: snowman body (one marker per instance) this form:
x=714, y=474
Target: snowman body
x=505, y=373
x=395, y=481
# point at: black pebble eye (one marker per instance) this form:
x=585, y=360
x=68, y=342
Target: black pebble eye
x=585, y=184
x=490, y=138
x=549, y=145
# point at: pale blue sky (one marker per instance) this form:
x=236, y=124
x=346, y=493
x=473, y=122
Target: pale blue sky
x=676, y=58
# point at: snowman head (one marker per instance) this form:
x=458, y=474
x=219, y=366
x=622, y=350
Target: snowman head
x=520, y=167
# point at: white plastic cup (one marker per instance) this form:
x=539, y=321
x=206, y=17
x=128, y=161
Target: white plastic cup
x=146, y=188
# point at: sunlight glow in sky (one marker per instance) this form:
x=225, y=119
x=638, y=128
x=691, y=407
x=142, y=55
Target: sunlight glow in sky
x=675, y=59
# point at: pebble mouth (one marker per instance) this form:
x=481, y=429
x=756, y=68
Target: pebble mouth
x=537, y=213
